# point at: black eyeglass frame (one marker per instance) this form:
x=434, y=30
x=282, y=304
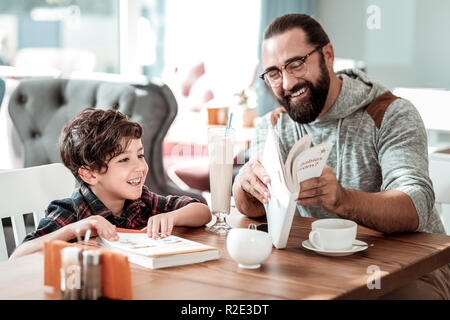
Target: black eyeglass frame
x=288, y=62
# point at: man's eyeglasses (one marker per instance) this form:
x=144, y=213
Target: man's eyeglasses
x=295, y=66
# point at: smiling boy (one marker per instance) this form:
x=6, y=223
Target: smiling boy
x=103, y=149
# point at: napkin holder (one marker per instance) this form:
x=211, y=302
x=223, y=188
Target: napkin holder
x=116, y=274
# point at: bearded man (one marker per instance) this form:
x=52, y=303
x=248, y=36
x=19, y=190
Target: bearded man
x=377, y=171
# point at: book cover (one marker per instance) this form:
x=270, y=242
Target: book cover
x=303, y=162
x=159, y=253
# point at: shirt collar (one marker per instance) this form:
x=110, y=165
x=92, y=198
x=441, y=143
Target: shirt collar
x=96, y=206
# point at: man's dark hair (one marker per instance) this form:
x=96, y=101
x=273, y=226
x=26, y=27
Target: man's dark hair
x=315, y=35
x=94, y=137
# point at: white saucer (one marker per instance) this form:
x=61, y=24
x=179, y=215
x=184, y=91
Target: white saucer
x=361, y=246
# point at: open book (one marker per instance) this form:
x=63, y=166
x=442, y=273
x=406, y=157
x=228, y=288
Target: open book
x=302, y=163
x=159, y=253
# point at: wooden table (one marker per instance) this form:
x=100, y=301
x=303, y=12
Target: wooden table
x=292, y=273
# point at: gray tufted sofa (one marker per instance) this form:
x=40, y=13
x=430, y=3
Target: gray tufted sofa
x=40, y=107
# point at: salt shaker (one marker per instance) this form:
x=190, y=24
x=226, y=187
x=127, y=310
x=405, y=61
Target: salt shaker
x=71, y=273
x=92, y=275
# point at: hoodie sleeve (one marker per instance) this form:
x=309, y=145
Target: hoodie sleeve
x=403, y=156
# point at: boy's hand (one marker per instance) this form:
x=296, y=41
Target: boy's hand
x=99, y=225
x=161, y=223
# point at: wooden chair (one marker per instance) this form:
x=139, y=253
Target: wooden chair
x=30, y=190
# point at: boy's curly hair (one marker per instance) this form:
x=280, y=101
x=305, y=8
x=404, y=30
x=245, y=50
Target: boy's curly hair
x=94, y=137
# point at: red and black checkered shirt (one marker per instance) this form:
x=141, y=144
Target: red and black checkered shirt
x=84, y=203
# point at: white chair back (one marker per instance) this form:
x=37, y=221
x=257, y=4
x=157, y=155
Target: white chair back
x=439, y=170
x=432, y=104
x=30, y=190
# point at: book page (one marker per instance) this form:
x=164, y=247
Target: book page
x=310, y=164
x=271, y=159
x=141, y=244
x=300, y=146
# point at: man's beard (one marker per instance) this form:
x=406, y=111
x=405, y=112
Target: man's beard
x=308, y=110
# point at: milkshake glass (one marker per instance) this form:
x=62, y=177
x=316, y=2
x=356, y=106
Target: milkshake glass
x=220, y=151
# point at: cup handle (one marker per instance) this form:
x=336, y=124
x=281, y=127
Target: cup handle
x=313, y=235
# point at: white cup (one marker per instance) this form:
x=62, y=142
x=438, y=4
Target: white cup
x=333, y=234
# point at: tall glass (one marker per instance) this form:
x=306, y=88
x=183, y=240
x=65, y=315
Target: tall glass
x=220, y=151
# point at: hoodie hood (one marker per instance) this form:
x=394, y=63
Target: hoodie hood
x=360, y=91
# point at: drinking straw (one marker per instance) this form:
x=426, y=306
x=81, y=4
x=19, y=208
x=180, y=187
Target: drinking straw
x=87, y=236
x=228, y=123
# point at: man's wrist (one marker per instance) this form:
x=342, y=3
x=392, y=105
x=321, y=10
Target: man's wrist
x=345, y=206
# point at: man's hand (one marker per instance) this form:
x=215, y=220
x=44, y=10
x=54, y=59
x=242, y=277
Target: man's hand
x=324, y=190
x=254, y=180
x=275, y=115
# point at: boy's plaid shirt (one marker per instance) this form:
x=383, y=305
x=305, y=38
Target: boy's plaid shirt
x=84, y=203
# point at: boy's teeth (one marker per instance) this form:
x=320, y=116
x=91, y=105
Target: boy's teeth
x=299, y=92
x=135, y=181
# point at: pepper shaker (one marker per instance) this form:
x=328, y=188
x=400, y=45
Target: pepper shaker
x=92, y=275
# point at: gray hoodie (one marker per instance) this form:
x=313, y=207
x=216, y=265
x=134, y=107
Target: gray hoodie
x=365, y=157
